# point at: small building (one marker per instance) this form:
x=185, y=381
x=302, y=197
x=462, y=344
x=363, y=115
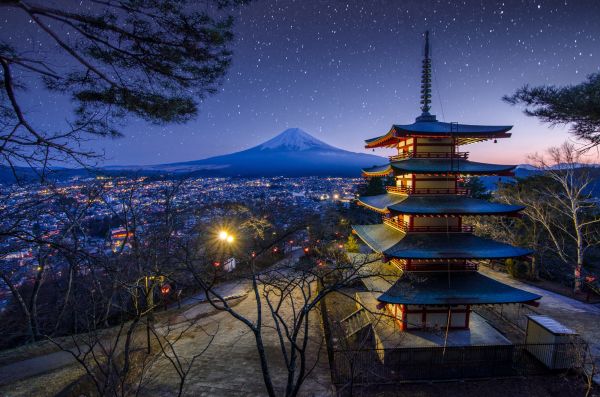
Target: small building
x=552, y=343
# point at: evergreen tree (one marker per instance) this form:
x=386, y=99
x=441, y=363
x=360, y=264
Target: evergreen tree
x=374, y=186
x=352, y=244
x=576, y=105
x=155, y=60
x=477, y=188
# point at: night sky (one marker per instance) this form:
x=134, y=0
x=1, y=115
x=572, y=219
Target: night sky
x=345, y=71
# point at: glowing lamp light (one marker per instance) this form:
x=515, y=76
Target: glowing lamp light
x=223, y=235
x=340, y=246
x=217, y=264
x=165, y=289
x=275, y=249
x=306, y=249
x=230, y=238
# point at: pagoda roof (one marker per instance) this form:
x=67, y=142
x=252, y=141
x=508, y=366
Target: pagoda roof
x=381, y=202
x=436, y=205
x=393, y=243
x=446, y=288
x=438, y=166
x=451, y=205
x=428, y=126
x=378, y=170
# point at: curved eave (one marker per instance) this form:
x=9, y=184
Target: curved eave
x=395, y=244
x=381, y=202
x=387, y=139
x=435, y=129
x=470, y=288
x=451, y=205
x=378, y=171
x=463, y=133
x=450, y=166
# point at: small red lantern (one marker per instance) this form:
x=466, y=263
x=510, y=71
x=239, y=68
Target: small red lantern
x=306, y=250
x=165, y=289
x=275, y=249
x=217, y=264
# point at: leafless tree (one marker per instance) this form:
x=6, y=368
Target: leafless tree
x=569, y=197
x=286, y=297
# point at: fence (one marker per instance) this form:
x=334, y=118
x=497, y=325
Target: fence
x=380, y=366
x=515, y=314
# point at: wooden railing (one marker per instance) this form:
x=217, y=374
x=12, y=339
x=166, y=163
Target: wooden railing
x=405, y=227
x=430, y=155
x=411, y=190
x=441, y=266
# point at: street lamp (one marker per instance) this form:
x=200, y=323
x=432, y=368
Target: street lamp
x=226, y=237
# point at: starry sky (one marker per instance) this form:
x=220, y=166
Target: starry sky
x=345, y=71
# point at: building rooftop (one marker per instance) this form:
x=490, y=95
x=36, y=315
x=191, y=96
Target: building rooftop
x=396, y=244
x=381, y=202
x=444, y=288
x=438, y=166
x=428, y=126
x=436, y=204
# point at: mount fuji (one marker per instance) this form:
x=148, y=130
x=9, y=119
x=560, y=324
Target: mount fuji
x=292, y=153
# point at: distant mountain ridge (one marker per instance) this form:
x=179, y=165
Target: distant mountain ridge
x=292, y=153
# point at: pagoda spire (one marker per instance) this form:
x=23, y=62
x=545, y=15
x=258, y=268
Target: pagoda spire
x=426, y=80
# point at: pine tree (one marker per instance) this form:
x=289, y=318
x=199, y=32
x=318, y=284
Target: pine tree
x=352, y=244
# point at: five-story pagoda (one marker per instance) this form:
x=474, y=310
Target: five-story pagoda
x=423, y=236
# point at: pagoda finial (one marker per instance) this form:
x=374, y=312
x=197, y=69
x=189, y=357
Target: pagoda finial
x=426, y=79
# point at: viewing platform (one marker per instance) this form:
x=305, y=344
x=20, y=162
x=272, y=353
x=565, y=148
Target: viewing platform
x=405, y=227
x=418, y=191
x=430, y=155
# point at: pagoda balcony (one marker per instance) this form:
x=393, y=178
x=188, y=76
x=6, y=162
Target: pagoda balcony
x=405, y=227
x=430, y=155
x=418, y=191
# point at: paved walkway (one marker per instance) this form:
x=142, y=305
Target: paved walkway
x=579, y=316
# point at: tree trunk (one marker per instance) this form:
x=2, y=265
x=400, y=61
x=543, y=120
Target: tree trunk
x=17, y=295
x=578, y=282
x=533, y=270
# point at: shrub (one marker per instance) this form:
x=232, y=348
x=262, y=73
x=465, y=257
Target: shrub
x=516, y=269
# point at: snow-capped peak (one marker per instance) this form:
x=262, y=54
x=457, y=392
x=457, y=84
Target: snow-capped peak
x=294, y=139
